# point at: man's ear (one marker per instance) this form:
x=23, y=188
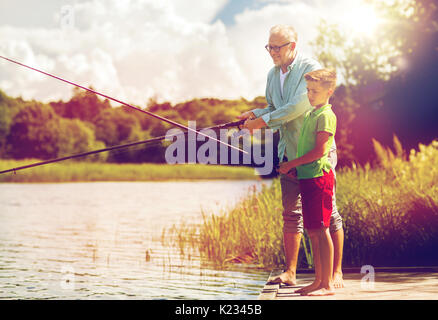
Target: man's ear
x=294, y=45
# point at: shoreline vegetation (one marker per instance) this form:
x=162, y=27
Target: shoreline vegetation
x=390, y=213
x=75, y=171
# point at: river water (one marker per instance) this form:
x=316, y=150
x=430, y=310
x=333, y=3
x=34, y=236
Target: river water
x=104, y=240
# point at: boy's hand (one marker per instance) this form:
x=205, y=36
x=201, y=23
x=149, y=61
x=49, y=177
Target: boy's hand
x=287, y=169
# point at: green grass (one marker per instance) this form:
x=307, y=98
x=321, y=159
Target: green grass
x=73, y=171
x=390, y=214
x=391, y=211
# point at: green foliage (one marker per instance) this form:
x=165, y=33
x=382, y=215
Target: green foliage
x=344, y=106
x=364, y=61
x=34, y=132
x=37, y=131
x=84, y=105
x=76, y=137
x=385, y=157
x=392, y=208
x=385, y=76
x=113, y=126
x=8, y=108
x=86, y=123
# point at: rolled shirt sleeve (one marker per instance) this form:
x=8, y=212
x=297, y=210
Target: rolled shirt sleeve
x=290, y=111
x=262, y=111
x=327, y=123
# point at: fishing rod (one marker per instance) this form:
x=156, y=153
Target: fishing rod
x=37, y=164
x=124, y=103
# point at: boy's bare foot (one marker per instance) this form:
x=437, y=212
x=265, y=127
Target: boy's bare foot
x=315, y=285
x=287, y=277
x=338, y=280
x=322, y=291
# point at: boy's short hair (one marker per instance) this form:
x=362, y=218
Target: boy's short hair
x=326, y=77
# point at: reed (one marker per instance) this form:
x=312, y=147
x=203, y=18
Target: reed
x=74, y=171
x=390, y=214
x=391, y=211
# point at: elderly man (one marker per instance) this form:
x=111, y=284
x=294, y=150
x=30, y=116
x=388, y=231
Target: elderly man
x=287, y=105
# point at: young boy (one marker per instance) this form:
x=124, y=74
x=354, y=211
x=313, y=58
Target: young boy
x=316, y=176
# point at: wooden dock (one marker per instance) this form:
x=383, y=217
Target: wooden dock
x=382, y=284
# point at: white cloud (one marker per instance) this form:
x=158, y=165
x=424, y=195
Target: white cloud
x=131, y=50
x=250, y=34
x=201, y=11
x=137, y=49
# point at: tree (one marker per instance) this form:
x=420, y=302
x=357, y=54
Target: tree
x=34, y=132
x=84, y=105
x=76, y=137
x=388, y=77
x=8, y=108
x=114, y=127
x=413, y=97
x=38, y=132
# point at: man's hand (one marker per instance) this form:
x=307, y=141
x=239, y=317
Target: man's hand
x=252, y=125
x=246, y=115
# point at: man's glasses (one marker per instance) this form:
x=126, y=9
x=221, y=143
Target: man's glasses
x=275, y=48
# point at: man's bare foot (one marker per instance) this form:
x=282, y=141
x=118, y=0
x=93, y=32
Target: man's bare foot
x=322, y=291
x=338, y=280
x=287, y=277
x=315, y=285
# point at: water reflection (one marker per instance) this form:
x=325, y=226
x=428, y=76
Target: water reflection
x=103, y=241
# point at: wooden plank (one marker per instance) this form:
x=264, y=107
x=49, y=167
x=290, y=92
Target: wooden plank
x=269, y=291
x=411, y=284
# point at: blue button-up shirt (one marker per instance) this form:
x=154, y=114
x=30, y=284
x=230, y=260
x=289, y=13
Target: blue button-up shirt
x=285, y=112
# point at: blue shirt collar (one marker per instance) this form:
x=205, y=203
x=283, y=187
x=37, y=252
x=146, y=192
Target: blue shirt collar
x=289, y=67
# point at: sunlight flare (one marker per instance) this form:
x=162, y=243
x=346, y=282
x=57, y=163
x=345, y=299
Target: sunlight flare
x=361, y=21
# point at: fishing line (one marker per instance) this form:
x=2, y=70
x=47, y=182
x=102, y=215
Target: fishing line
x=124, y=103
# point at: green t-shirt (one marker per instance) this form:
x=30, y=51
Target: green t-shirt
x=322, y=119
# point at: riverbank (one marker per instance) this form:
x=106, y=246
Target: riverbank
x=73, y=171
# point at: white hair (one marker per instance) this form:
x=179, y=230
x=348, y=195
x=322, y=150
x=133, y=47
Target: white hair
x=285, y=30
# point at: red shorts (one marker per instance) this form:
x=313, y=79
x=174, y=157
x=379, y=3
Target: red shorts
x=316, y=199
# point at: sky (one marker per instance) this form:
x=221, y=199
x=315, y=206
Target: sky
x=167, y=50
